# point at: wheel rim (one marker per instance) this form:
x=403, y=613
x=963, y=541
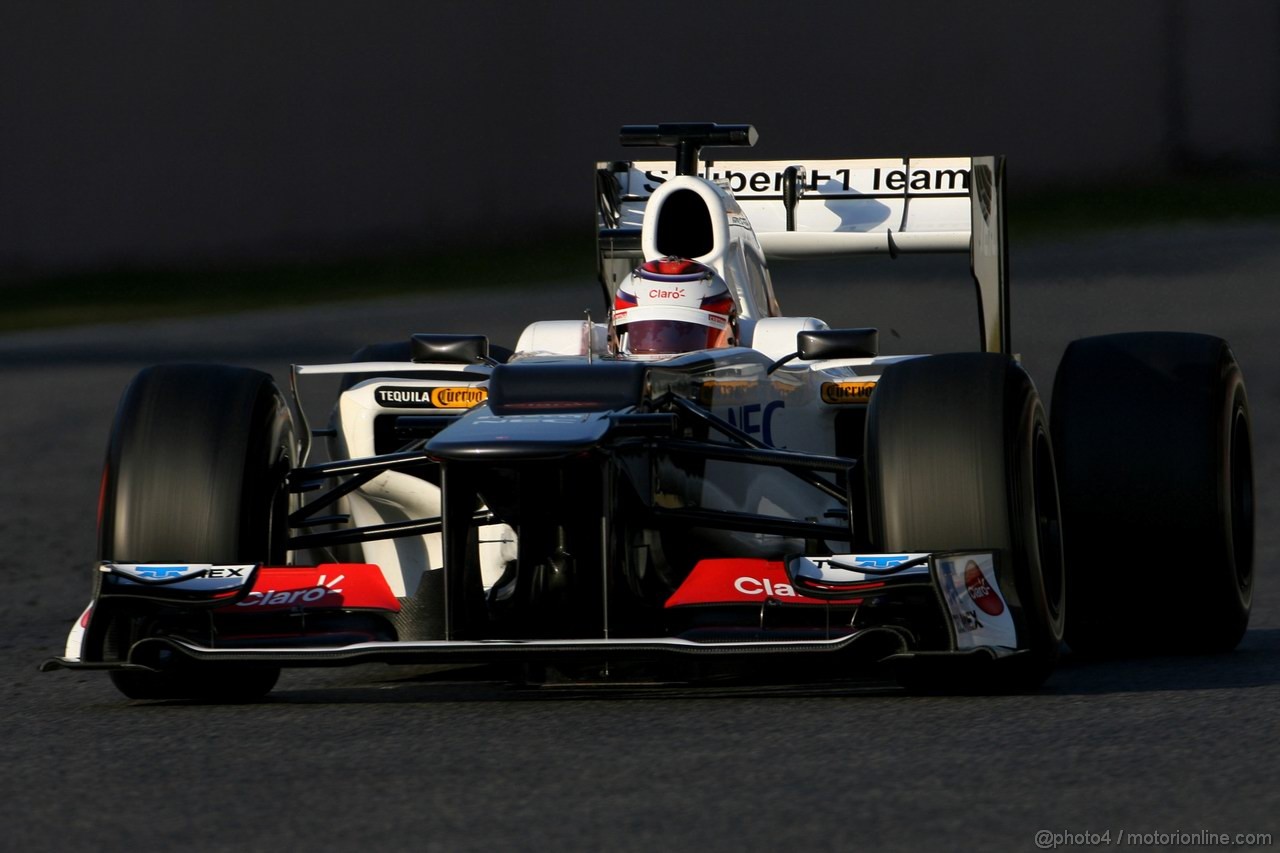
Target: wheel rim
x=1241, y=493
x=1048, y=521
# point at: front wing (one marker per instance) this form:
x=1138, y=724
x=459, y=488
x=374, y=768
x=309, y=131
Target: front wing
x=806, y=607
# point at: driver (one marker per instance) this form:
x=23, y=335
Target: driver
x=673, y=305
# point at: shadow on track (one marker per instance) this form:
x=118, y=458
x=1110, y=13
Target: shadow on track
x=1254, y=664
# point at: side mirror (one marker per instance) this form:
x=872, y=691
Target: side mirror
x=838, y=343
x=452, y=349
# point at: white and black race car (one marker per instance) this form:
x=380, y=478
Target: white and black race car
x=776, y=500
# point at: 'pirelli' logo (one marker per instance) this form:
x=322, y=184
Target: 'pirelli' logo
x=403, y=397
x=847, y=392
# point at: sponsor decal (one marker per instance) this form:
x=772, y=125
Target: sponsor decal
x=898, y=180
x=163, y=572
x=755, y=419
x=979, y=615
x=458, y=398
x=325, y=590
x=980, y=590
x=840, y=393
x=831, y=181
x=661, y=293
x=407, y=397
x=195, y=577
x=763, y=586
x=847, y=572
x=331, y=586
x=227, y=572
x=739, y=581
x=877, y=561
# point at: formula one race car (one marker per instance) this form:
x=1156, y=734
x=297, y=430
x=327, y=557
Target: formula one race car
x=697, y=487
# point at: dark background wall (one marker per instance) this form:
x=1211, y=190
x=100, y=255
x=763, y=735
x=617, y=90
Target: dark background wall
x=169, y=132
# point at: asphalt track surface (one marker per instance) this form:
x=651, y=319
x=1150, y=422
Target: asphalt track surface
x=384, y=759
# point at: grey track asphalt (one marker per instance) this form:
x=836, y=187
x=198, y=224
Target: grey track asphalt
x=383, y=759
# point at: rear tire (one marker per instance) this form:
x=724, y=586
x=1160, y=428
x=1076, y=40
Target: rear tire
x=195, y=473
x=959, y=456
x=1154, y=444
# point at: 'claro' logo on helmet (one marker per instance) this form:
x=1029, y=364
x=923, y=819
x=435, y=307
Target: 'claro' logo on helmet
x=449, y=397
x=662, y=293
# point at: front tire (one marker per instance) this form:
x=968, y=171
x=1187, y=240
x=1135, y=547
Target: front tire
x=959, y=456
x=195, y=473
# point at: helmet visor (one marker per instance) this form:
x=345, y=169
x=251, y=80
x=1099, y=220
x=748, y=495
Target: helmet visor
x=659, y=337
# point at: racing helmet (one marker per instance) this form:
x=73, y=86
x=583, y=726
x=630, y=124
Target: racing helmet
x=673, y=305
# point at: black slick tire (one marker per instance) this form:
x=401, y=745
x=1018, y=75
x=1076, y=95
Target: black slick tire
x=195, y=473
x=1154, y=444
x=959, y=456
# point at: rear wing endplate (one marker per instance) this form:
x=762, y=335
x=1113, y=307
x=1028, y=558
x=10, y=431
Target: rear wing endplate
x=821, y=208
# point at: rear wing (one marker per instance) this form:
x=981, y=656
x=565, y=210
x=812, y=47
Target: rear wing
x=820, y=208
